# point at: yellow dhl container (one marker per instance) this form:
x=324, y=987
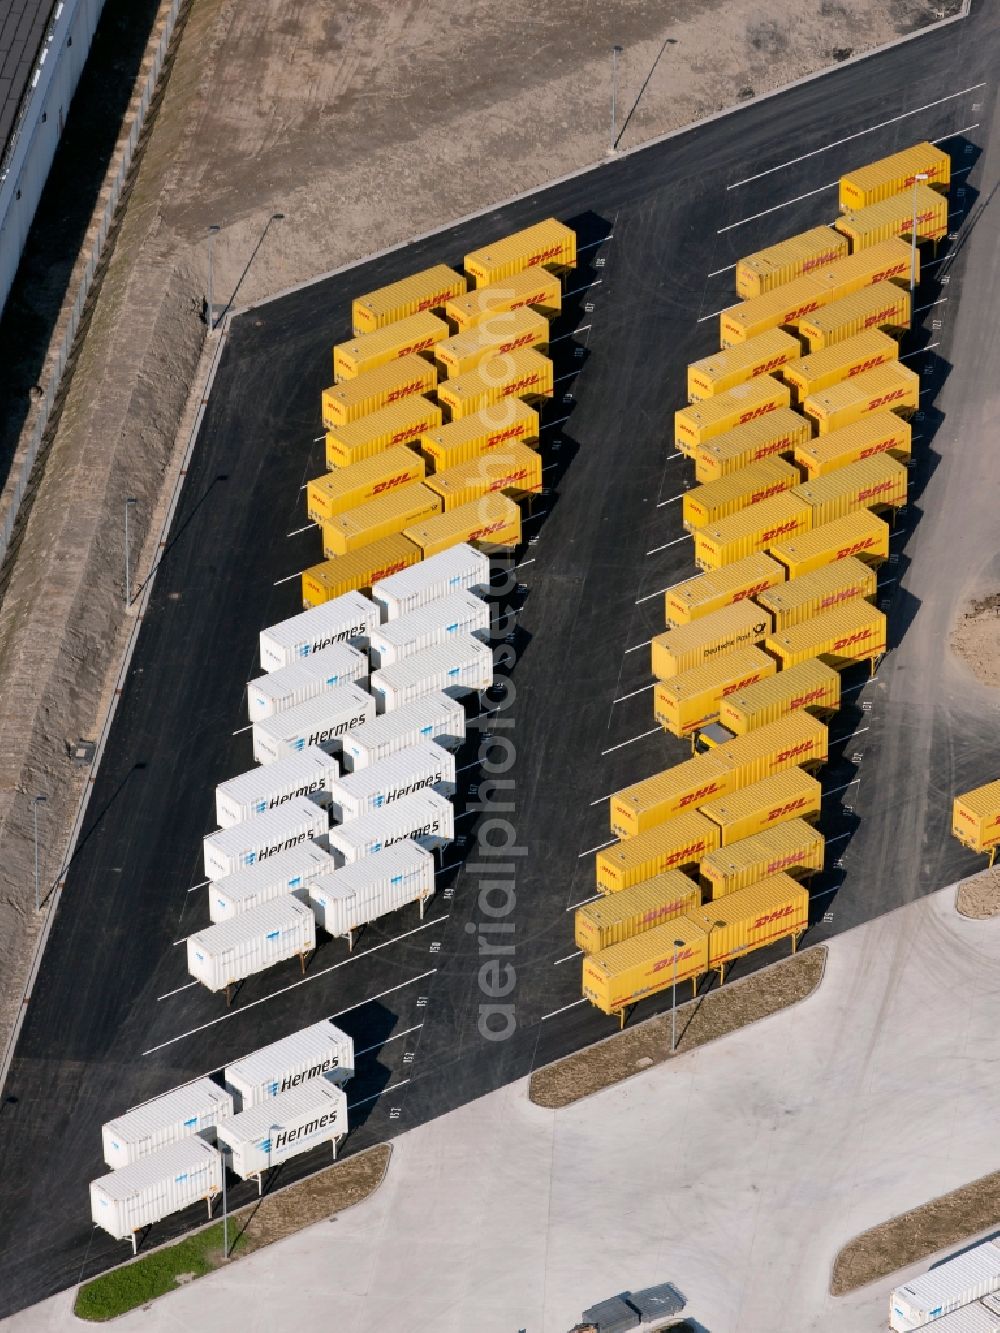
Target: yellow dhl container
x=847, y=634
x=523, y=374
x=677, y=790
x=975, y=818
x=698, y=597
x=427, y=290
x=778, y=433
x=791, y=794
x=766, y=269
x=842, y=361
x=346, y=487
x=861, y=534
x=653, y=961
x=878, y=482
x=692, y=698
x=795, y=741
x=401, y=423
x=350, y=573
x=491, y=521
x=388, y=384
x=810, y=685
x=753, y=529
x=716, y=500
x=549, y=244
x=494, y=427
x=418, y=333
x=781, y=308
x=775, y=908
x=515, y=470
x=496, y=336
x=865, y=227
x=742, y=625
x=812, y=594
x=881, y=308
x=889, y=175
x=664, y=850
x=620, y=916
x=888, y=261
x=378, y=518
x=535, y=287
x=891, y=387
x=724, y=370
x=876, y=433
x=793, y=848
x=702, y=420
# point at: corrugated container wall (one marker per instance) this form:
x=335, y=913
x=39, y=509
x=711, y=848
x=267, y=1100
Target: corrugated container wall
x=423, y=764
x=361, y=569
x=708, y=417
x=650, y=962
x=852, y=633
x=861, y=534
x=378, y=388
x=686, y=786
x=522, y=374
x=777, y=433
x=800, y=255
x=742, y=625
x=310, y=774
x=514, y=470
x=795, y=741
x=433, y=717
x=810, y=685
x=976, y=817
x=782, y=307
x=894, y=216
x=338, y=491
x=822, y=590
x=459, y=667
x=698, y=597
x=792, y=848
x=346, y=619
x=948, y=1286
x=692, y=699
x=320, y=721
x=755, y=529
x=620, y=916
x=860, y=352
x=424, y=816
x=501, y=333
x=379, y=518
x=882, y=308
x=876, y=433
x=439, y=621
x=716, y=500
x=372, y=887
x=258, y=839
x=292, y=1123
x=281, y=874
x=677, y=844
x=724, y=370
x=791, y=794
x=194, y=1109
x=313, y=1052
x=430, y=289
x=492, y=521
x=231, y=950
x=535, y=287
x=549, y=244
x=889, y=261
x=494, y=427
x=400, y=423
x=417, y=333
x=892, y=386
x=165, y=1182
x=337, y=664
x=461, y=568
x=878, y=180
x=879, y=482
x=772, y=909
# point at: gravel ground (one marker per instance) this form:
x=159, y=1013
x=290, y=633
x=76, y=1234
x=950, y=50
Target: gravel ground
x=978, y=896
x=976, y=638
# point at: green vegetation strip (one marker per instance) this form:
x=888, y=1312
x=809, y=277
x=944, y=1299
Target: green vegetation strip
x=272, y=1218
x=707, y=1018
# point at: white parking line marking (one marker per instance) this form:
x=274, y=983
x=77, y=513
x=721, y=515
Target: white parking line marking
x=316, y=440
x=621, y=698
x=240, y=730
x=200, y=885
x=525, y=562
x=590, y=244
x=651, y=732
x=835, y=740
x=563, y=336
x=833, y=790
x=686, y=538
x=593, y=899
x=776, y=208
x=940, y=301
x=729, y=267
x=541, y=514
x=716, y=313
x=649, y=597
x=297, y=531
x=187, y=986
x=578, y=954
x=278, y=582
x=917, y=353
x=599, y=848
x=562, y=1010
x=645, y=644
x=363, y=1101
x=586, y=287
x=549, y=424
x=379, y=1044
x=661, y=503
x=676, y=455
x=839, y=838
x=465, y=768
x=601, y=799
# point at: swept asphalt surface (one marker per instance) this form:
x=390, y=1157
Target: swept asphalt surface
x=113, y=1020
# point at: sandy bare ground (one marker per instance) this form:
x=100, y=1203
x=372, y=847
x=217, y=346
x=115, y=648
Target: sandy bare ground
x=364, y=124
x=978, y=896
x=976, y=638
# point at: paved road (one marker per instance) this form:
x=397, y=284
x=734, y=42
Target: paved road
x=112, y=1020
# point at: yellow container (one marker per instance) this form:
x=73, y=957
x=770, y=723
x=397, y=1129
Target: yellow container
x=775, y=908
x=346, y=487
x=621, y=916
x=402, y=423
x=753, y=529
x=889, y=175
x=535, y=287
x=812, y=594
x=843, y=360
x=643, y=805
x=759, y=356
x=692, y=698
x=882, y=309
x=388, y=384
x=766, y=269
x=876, y=433
x=694, y=598
x=795, y=741
x=668, y=848
x=810, y=685
x=378, y=518
x=350, y=573
x=468, y=438
x=523, y=374
x=626, y=973
x=861, y=534
x=888, y=261
x=781, y=308
x=892, y=386
x=865, y=227
x=515, y=470
x=777, y=434
x=847, y=634
x=975, y=818
x=791, y=794
x=495, y=336
x=549, y=244
x=742, y=625
x=491, y=521
x=793, y=848
x=428, y=290
x=702, y=420
x=878, y=482
x=716, y=500
x=418, y=333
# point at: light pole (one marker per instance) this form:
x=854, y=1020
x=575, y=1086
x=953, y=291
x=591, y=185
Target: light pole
x=716, y=925
x=36, y=802
x=211, y=308
x=615, y=53
x=128, y=573
x=678, y=944
x=920, y=176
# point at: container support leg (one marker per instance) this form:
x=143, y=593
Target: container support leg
x=302, y=963
x=260, y=1184
x=795, y=943
x=135, y=1248
x=229, y=996
x=422, y=903
x=209, y=1198
x=350, y=941
x=993, y=855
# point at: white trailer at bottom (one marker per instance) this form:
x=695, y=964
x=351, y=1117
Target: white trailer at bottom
x=161, y=1183
x=285, y=1126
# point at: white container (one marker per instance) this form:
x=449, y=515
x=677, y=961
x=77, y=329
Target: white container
x=311, y=773
x=455, y=668
x=285, y=872
x=223, y=954
x=164, y=1182
x=945, y=1288
x=339, y=664
x=437, y=622
x=975, y=1318
x=425, y=764
x=195, y=1108
x=255, y=840
x=425, y=817
x=321, y=1049
x=449, y=571
x=432, y=717
x=346, y=619
x=372, y=887
x=286, y=1126
x=320, y=721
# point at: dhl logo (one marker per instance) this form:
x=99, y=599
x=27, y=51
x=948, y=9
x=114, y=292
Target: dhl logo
x=675, y=958
x=773, y=364
x=553, y=252
x=410, y=432
x=893, y=272
x=791, y=526
x=515, y=386
x=438, y=298
x=872, y=361
x=386, y=570
x=770, y=917
x=689, y=853
x=964, y=814
x=535, y=299
x=752, y=591
x=668, y=909
x=404, y=391
x=511, y=433
x=420, y=346
x=775, y=489
x=741, y=684
x=820, y=260
x=927, y=171
x=905, y=224
x=870, y=492
x=879, y=318
x=803, y=700
x=775, y=447
x=859, y=636
x=382, y=486
x=864, y=545
x=510, y=478
x=699, y=795
x=685, y=428
x=882, y=447
x=780, y=811
x=512, y=346
x=756, y=412
x=885, y=398
x=804, y=747
x=479, y=533
x=835, y=598
x=782, y=862
x=790, y=316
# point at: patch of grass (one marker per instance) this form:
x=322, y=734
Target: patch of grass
x=153, y=1275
